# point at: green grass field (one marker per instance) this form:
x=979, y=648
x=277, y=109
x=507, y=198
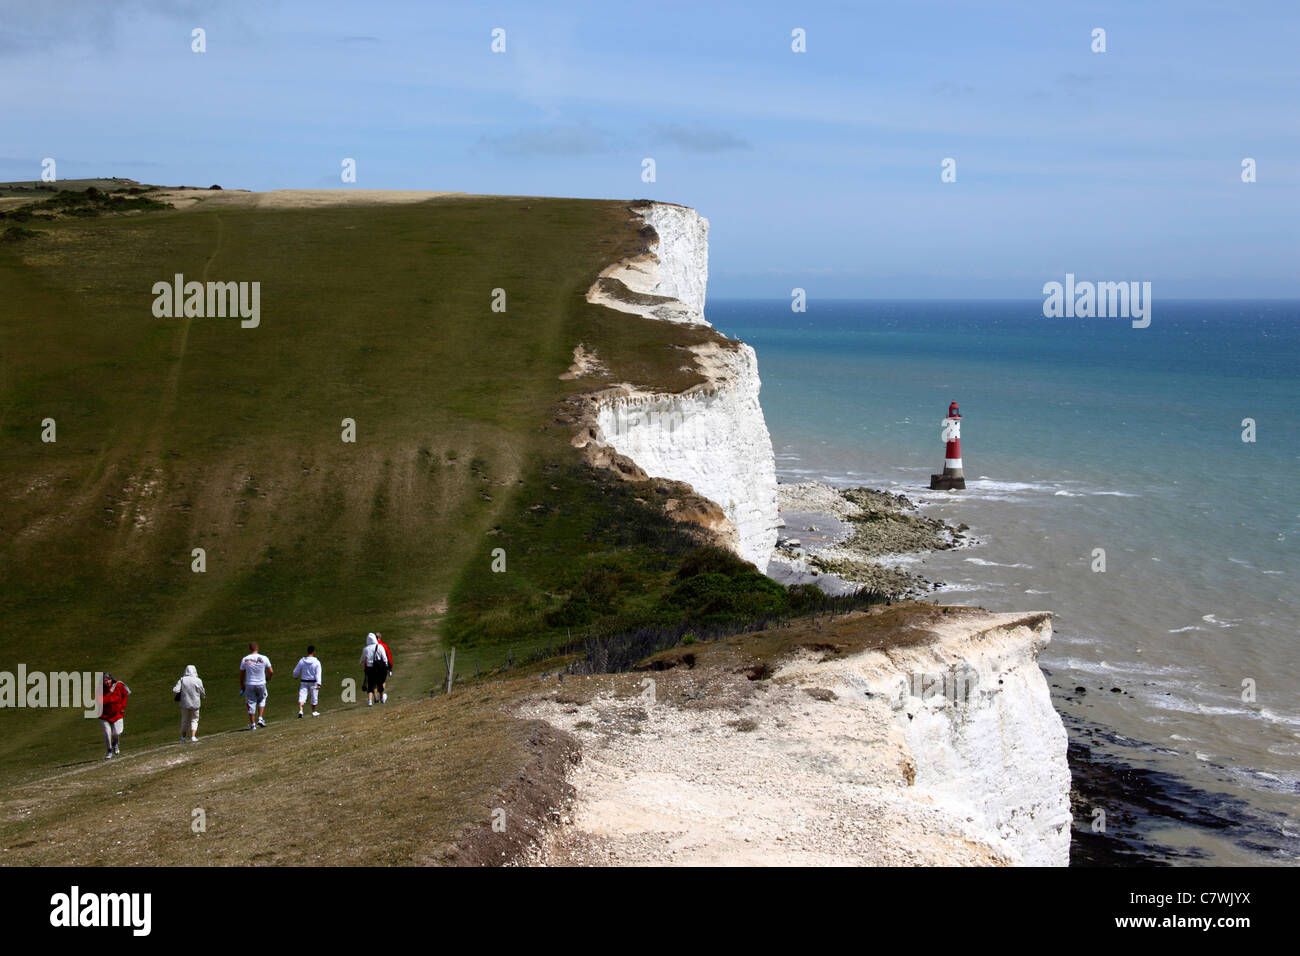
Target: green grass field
x=175, y=434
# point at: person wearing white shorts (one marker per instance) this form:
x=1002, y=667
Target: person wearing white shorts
x=254, y=669
x=309, y=673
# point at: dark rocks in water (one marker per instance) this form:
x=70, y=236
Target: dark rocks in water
x=1116, y=690
x=1138, y=801
x=1081, y=690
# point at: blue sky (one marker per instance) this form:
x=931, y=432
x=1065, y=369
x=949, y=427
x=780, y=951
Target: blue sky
x=819, y=169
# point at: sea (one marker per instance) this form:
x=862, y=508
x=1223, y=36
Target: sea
x=1142, y=484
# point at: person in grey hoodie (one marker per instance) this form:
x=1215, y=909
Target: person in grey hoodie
x=375, y=662
x=189, y=691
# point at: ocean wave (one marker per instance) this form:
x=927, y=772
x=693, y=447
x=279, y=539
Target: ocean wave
x=1265, y=780
x=1068, y=494
x=1211, y=619
x=1087, y=667
x=994, y=564
x=1184, y=705
x=1154, y=677
x=1289, y=719
x=985, y=483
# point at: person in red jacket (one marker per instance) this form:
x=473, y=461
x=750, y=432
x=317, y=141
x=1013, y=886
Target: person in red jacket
x=383, y=686
x=113, y=713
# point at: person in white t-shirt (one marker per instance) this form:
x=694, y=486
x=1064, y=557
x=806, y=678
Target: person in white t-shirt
x=309, y=672
x=253, y=672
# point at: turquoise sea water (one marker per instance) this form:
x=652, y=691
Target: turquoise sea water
x=1080, y=434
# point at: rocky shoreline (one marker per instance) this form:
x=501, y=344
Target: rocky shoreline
x=842, y=539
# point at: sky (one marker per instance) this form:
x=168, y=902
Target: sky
x=818, y=170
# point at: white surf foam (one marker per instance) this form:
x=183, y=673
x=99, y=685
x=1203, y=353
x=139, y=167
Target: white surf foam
x=994, y=564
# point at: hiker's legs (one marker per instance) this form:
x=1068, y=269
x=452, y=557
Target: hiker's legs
x=256, y=696
x=108, y=734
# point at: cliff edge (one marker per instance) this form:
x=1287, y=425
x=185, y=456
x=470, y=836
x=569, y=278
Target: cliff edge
x=712, y=436
x=909, y=735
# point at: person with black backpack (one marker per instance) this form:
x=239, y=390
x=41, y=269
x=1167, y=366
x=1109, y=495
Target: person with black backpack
x=375, y=662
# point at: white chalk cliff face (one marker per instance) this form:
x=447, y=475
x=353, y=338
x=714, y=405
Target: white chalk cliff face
x=675, y=270
x=975, y=718
x=712, y=437
x=853, y=760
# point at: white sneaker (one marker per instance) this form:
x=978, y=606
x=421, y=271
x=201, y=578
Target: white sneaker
x=117, y=751
x=370, y=703
x=315, y=713
x=385, y=697
x=109, y=755
x=261, y=722
x=194, y=740
x=252, y=726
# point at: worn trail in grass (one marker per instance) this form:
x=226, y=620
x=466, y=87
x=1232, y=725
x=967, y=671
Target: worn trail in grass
x=175, y=434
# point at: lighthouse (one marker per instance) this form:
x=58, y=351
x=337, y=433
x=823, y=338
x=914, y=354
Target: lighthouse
x=952, y=477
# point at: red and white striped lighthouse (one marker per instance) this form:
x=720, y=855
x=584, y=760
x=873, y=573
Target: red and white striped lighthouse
x=952, y=477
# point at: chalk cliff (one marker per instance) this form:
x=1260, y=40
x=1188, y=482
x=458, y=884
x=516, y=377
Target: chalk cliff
x=974, y=715
x=713, y=436
x=939, y=746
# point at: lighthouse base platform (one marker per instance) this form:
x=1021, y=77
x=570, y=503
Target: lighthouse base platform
x=947, y=483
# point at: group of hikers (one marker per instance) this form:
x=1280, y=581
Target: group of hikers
x=254, y=669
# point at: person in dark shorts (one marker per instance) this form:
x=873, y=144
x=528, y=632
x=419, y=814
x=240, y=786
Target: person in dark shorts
x=375, y=661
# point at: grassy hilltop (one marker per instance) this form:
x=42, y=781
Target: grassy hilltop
x=183, y=433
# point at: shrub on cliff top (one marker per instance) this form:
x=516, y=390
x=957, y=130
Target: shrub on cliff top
x=715, y=560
